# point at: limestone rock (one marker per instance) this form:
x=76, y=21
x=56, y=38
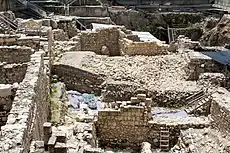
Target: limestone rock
x=104, y=50
x=60, y=35
x=220, y=35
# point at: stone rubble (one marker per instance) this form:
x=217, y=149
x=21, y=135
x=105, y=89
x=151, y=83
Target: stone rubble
x=141, y=90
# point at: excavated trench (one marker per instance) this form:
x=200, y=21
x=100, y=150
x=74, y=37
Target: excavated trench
x=192, y=25
x=82, y=84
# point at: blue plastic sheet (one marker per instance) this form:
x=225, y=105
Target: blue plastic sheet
x=222, y=57
x=76, y=99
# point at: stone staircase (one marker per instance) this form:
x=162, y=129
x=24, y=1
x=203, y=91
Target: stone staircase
x=164, y=138
x=6, y=25
x=196, y=101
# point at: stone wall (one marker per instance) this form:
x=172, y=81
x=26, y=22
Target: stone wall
x=220, y=110
x=11, y=73
x=69, y=27
x=88, y=11
x=30, y=109
x=15, y=54
x=171, y=97
x=129, y=47
x=200, y=63
x=115, y=41
x=130, y=125
x=78, y=79
x=20, y=40
x=119, y=90
x=94, y=41
x=5, y=102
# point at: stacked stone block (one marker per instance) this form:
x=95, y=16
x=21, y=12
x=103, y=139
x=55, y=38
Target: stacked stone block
x=30, y=109
x=199, y=64
x=78, y=79
x=220, y=111
x=11, y=73
x=94, y=41
x=5, y=102
x=129, y=47
x=53, y=142
x=15, y=54
x=20, y=40
x=130, y=123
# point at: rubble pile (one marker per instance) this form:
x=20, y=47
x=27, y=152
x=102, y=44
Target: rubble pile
x=206, y=140
x=147, y=71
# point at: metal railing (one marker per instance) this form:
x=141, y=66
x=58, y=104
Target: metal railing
x=7, y=21
x=35, y=8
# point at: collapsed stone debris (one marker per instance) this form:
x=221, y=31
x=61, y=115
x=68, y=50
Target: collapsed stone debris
x=93, y=77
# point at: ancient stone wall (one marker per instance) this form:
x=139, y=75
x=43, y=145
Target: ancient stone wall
x=88, y=11
x=220, y=110
x=78, y=79
x=5, y=102
x=29, y=41
x=94, y=41
x=29, y=109
x=119, y=90
x=15, y=54
x=69, y=27
x=202, y=64
x=11, y=73
x=130, y=125
x=129, y=47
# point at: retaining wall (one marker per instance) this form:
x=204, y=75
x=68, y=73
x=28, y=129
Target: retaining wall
x=129, y=47
x=15, y=54
x=94, y=41
x=131, y=125
x=220, y=110
x=30, y=109
x=78, y=79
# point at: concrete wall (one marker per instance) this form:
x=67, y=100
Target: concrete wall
x=29, y=109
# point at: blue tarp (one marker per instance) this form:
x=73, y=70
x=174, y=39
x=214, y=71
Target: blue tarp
x=222, y=57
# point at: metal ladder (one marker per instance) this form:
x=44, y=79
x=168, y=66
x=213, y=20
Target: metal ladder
x=196, y=101
x=164, y=138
